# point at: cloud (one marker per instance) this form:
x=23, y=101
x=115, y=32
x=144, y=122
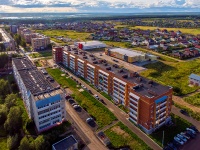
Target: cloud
x=96, y=5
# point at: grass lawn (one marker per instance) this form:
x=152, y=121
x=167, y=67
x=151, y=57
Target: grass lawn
x=106, y=96
x=96, y=109
x=169, y=132
x=194, y=31
x=3, y=144
x=121, y=136
x=41, y=54
x=173, y=74
x=194, y=99
x=66, y=33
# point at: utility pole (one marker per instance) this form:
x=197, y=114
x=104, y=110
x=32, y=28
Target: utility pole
x=163, y=138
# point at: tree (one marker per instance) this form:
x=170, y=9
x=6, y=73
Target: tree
x=4, y=90
x=41, y=143
x=25, y=144
x=3, y=60
x=12, y=142
x=13, y=123
x=3, y=114
x=10, y=101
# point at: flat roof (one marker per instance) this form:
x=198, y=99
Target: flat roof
x=130, y=53
x=92, y=44
x=37, y=83
x=147, y=89
x=65, y=143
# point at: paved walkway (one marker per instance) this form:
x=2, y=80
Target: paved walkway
x=180, y=101
x=107, y=127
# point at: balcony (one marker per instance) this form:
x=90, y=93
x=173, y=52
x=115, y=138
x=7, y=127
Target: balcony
x=134, y=106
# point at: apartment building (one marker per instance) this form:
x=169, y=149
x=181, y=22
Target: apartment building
x=29, y=36
x=40, y=42
x=57, y=53
x=149, y=103
x=43, y=99
x=13, y=28
x=7, y=40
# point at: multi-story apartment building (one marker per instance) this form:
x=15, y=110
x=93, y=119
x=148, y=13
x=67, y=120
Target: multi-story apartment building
x=149, y=103
x=29, y=36
x=58, y=57
x=7, y=40
x=13, y=28
x=42, y=96
x=40, y=42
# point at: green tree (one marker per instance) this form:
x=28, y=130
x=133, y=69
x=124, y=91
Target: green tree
x=3, y=60
x=13, y=123
x=10, y=101
x=4, y=90
x=3, y=114
x=12, y=142
x=41, y=143
x=2, y=47
x=25, y=144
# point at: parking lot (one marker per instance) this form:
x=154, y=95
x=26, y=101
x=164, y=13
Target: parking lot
x=186, y=140
x=82, y=114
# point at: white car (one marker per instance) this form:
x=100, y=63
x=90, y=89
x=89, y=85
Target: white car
x=182, y=137
x=193, y=132
x=178, y=140
x=183, y=134
x=96, y=96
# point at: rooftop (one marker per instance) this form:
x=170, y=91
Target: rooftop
x=127, y=52
x=65, y=143
x=40, y=85
x=5, y=35
x=91, y=44
x=142, y=86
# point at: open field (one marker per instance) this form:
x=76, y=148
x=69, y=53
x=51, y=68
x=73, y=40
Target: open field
x=65, y=33
x=121, y=136
x=183, y=30
x=173, y=74
x=194, y=99
x=96, y=109
x=169, y=132
x=41, y=54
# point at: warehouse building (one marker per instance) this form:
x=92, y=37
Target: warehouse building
x=90, y=45
x=129, y=55
x=42, y=96
x=149, y=103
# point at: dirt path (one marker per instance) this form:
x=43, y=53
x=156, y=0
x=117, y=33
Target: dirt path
x=180, y=101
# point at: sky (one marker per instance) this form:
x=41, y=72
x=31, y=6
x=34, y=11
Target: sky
x=115, y=6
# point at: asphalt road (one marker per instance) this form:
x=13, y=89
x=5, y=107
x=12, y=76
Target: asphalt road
x=176, y=111
x=122, y=116
x=86, y=133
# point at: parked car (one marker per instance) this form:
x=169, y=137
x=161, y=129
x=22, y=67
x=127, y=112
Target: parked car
x=91, y=122
x=181, y=137
x=96, y=96
x=183, y=112
x=191, y=130
x=190, y=134
x=185, y=135
x=74, y=104
x=178, y=140
x=67, y=96
x=194, y=128
x=172, y=146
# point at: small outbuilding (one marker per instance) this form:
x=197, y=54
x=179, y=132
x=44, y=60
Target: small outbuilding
x=194, y=79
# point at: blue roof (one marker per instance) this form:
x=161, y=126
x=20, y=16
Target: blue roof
x=194, y=76
x=48, y=100
x=161, y=99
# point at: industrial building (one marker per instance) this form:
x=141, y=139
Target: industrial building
x=42, y=96
x=7, y=40
x=149, y=103
x=90, y=45
x=129, y=55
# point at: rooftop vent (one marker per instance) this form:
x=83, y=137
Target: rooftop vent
x=125, y=76
x=152, y=92
x=136, y=87
x=121, y=70
x=108, y=68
